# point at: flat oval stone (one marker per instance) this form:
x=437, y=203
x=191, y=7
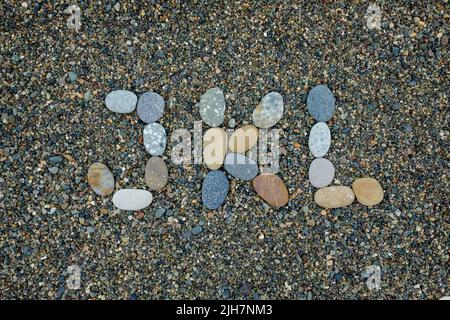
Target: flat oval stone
x=156, y=173
x=132, y=199
x=269, y=111
x=321, y=172
x=214, y=147
x=334, y=197
x=150, y=107
x=321, y=103
x=319, y=139
x=243, y=139
x=212, y=107
x=368, y=191
x=121, y=101
x=100, y=179
x=154, y=139
x=214, y=189
x=272, y=189
x=240, y=166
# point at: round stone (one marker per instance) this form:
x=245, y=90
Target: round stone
x=240, y=166
x=212, y=107
x=100, y=179
x=150, y=107
x=156, y=173
x=214, y=189
x=321, y=172
x=214, y=147
x=121, y=101
x=334, y=197
x=321, y=103
x=154, y=139
x=132, y=199
x=272, y=189
x=319, y=139
x=243, y=139
x=269, y=111
x=368, y=191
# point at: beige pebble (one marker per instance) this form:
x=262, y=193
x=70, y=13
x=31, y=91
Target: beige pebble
x=214, y=147
x=334, y=197
x=368, y=191
x=243, y=139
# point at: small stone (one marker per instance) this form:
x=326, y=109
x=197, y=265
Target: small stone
x=444, y=40
x=212, y=107
x=214, y=189
x=132, y=199
x=368, y=191
x=53, y=170
x=240, y=166
x=311, y=223
x=196, y=230
x=15, y=58
x=150, y=107
x=319, y=139
x=156, y=173
x=232, y=123
x=55, y=159
x=154, y=139
x=334, y=197
x=88, y=96
x=214, y=147
x=407, y=128
x=100, y=179
x=396, y=106
x=321, y=172
x=272, y=189
x=321, y=103
x=72, y=76
x=243, y=139
x=159, y=212
x=395, y=51
x=269, y=111
x=121, y=101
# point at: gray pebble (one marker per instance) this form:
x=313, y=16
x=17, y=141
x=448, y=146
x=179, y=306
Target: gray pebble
x=154, y=139
x=321, y=103
x=269, y=111
x=319, y=139
x=212, y=107
x=214, y=189
x=240, y=166
x=197, y=229
x=150, y=107
x=121, y=101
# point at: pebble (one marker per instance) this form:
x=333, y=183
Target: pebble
x=121, y=101
x=368, y=191
x=150, y=107
x=132, y=199
x=214, y=189
x=240, y=166
x=72, y=76
x=321, y=172
x=100, y=179
x=159, y=212
x=55, y=159
x=319, y=139
x=334, y=197
x=272, y=189
x=444, y=40
x=214, y=147
x=243, y=139
x=269, y=111
x=53, y=170
x=321, y=103
x=154, y=139
x=156, y=173
x=196, y=230
x=212, y=107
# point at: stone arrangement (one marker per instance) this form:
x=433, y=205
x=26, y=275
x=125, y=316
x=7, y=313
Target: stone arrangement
x=220, y=150
x=368, y=191
x=150, y=108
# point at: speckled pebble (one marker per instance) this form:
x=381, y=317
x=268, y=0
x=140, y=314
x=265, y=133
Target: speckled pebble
x=121, y=101
x=214, y=189
x=212, y=107
x=321, y=103
x=150, y=107
x=269, y=111
x=154, y=139
x=319, y=139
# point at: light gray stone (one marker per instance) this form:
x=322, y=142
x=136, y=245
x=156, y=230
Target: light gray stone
x=269, y=111
x=321, y=172
x=121, y=101
x=240, y=166
x=154, y=139
x=212, y=107
x=132, y=199
x=319, y=139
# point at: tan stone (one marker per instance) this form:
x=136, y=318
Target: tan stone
x=156, y=173
x=243, y=139
x=100, y=179
x=334, y=197
x=272, y=189
x=214, y=147
x=368, y=191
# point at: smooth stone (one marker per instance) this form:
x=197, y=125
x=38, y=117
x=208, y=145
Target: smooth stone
x=214, y=189
x=368, y=191
x=321, y=172
x=334, y=197
x=150, y=107
x=243, y=139
x=319, y=139
x=272, y=189
x=321, y=103
x=100, y=179
x=132, y=199
x=212, y=107
x=121, y=101
x=269, y=111
x=156, y=173
x=214, y=147
x=240, y=166
x=154, y=139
